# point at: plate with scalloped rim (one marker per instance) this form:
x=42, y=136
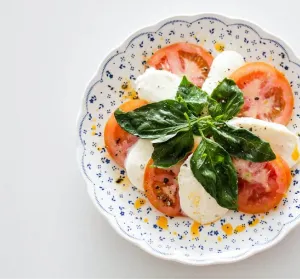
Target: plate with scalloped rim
x=232, y=238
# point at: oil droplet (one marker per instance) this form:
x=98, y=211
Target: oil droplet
x=254, y=222
x=130, y=93
x=262, y=217
x=93, y=127
x=195, y=229
x=219, y=238
x=146, y=220
x=219, y=46
x=295, y=154
x=162, y=222
x=93, y=133
x=139, y=203
x=227, y=228
x=239, y=228
x=175, y=233
x=94, y=119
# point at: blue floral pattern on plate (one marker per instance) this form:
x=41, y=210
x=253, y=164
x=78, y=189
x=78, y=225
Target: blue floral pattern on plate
x=232, y=238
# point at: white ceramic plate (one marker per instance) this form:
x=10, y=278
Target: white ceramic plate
x=236, y=236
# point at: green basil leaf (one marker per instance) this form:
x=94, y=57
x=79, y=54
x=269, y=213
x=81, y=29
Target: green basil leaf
x=242, y=144
x=163, y=138
x=213, y=168
x=170, y=152
x=230, y=99
x=214, y=108
x=193, y=96
x=156, y=120
x=204, y=126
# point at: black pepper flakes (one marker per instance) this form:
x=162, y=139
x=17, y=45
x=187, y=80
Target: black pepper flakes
x=119, y=180
x=256, y=98
x=166, y=180
x=124, y=86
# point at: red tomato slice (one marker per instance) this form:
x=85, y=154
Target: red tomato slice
x=161, y=188
x=267, y=93
x=261, y=185
x=117, y=140
x=183, y=59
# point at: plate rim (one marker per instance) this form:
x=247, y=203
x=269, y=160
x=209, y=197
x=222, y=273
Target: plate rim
x=80, y=149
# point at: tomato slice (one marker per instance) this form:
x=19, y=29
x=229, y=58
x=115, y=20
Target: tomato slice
x=161, y=188
x=261, y=185
x=117, y=140
x=267, y=93
x=183, y=59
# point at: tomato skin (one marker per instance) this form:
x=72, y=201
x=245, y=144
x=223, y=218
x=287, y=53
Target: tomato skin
x=267, y=93
x=255, y=197
x=118, y=141
x=161, y=188
x=287, y=174
x=181, y=59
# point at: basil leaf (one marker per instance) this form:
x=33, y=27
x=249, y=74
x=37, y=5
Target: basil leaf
x=194, y=97
x=213, y=168
x=242, y=144
x=156, y=120
x=204, y=126
x=169, y=153
x=163, y=138
x=214, y=108
x=230, y=99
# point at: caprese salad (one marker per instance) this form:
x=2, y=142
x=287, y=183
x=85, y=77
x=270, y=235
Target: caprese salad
x=206, y=135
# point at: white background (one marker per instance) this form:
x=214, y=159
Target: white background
x=49, y=51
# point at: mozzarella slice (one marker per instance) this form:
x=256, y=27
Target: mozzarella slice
x=283, y=142
x=138, y=157
x=194, y=200
x=136, y=161
x=157, y=85
x=223, y=66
